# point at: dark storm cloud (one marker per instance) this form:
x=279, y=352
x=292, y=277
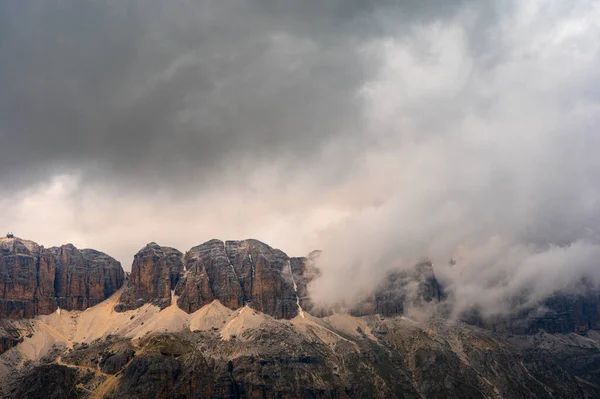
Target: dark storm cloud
x=136, y=91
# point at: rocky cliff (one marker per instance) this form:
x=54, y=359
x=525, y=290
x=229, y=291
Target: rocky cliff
x=249, y=272
x=400, y=289
x=242, y=326
x=562, y=312
x=154, y=274
x=35, y=280
x=237, y=273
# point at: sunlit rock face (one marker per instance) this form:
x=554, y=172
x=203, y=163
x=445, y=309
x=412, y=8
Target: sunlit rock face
x=19, y=262
x=35, y=280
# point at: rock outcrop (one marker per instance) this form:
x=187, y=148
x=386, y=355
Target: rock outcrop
x=35, y=280
x=9, y=336
x=84, y=278
x=154, y=274
x=20, y=290
x=240, y=273
x=237, y=273
x=560, y=313
x=49, y=381
x=401, y=289
x=249, y=272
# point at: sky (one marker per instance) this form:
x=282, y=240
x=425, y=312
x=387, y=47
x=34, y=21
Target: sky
x=382, y=132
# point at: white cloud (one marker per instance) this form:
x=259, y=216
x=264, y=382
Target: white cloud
x=493, y=166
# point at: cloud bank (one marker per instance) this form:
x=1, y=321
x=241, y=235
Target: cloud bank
x=486, y=159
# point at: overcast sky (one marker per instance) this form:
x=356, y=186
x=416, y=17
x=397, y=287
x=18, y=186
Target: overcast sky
x=383, y=132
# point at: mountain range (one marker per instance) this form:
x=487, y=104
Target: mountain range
x=235, y=319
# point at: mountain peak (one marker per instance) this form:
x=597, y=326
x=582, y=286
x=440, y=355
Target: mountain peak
x=38, y=280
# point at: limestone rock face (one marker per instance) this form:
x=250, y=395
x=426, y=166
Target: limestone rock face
x=106, y=275
x=569, y=313
x=19, y=262
x=46, y=296
x=400, y=289
x=154, y=274
x=304, y=271
x=84, y=278
x=239, y=273
x=560, y=313
x=249, y=272
x=35, y=280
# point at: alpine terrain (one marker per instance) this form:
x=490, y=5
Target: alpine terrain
x=234, y=320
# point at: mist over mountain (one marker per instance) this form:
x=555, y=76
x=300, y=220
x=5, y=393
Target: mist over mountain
x=384, y=134
x=413, y=160
x=234, y=319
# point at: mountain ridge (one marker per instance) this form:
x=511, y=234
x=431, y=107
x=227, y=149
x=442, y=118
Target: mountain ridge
x=234, y=319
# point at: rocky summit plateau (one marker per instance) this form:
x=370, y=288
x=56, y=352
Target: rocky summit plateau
x=234, y=319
